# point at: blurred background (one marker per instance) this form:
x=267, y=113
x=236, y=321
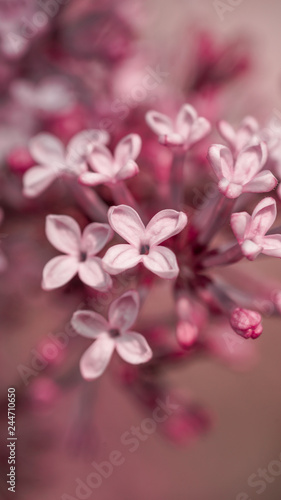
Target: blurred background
x=90, y=56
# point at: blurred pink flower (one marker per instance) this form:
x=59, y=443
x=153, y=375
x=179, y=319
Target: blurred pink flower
x=243, y=175
x=246, y=134
x=246, y=323
x=109, y=169
x=54, y=160
x=64, y=234
x=144, y=241
x=114, y=333
x=187, y=130
x=250, y=231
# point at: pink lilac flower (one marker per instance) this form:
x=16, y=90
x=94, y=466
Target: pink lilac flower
x=250, y=231
x=112, y=334
x=186, y=131
x=110, y=169
x=246, y=323
x=244, y=174
x=80, y=251
x=246, y=134
x=54, y=160
x=143, y=242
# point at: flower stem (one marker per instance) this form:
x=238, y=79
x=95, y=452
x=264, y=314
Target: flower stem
x=177, y=179
x=89, y=201
x=122, y=195
x=217, y=258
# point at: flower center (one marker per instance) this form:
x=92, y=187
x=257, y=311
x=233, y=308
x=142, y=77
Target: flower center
x=144, y=249
x=83, y=256
x=114, y=332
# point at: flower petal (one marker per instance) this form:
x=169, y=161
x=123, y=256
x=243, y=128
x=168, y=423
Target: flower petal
x=89, y=324
x=101, y=160
x=63, y=233
x=95, y=360
x=249, y=126
x=199, y=130
x=123, y=312
x=263, y=217
x=82, y=144
x=46, y=149
x=164, y=225
x=94, y=238
x=161, y=261
x=185, y=119
x=159, y=123
x=240, y=225
x=261, y=183
x=129, y=170
x=92, y=274
x=93, y=179
x=249, y=163
x=59, y=271
x=126, y=222
x=221, y=159
x=272, y=245
x=133, y=348
x=228, y=133
x=118, y=258
x=127, y=149
x=37, y=179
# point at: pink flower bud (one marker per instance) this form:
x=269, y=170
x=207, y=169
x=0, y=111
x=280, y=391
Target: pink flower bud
x=246, y=323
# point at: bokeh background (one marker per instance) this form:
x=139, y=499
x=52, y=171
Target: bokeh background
x=63, y=431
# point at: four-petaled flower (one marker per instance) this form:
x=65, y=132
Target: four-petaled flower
x=243, y=175
x=250, y=231
x=186, y=131
x=65, y=235
x=111, y=334
x=108, y=169
x=143, y=241
x=54, y=160
x=246, y=134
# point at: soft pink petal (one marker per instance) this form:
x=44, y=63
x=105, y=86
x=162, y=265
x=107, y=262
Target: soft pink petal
x=221, y=160
x=164, y=225
x=91, y=272
x=263, y=217
x=59, y=271
x=185, y=119
x=95, y=237
x=126, y=222
x=261, y=183
x=46, y=149
x=82, y=144
x=240, y=224
x=118, y=258
x=159, y=123
x=63, y=233
x=127, y=149
x=37, y=179
x=129, y=170
x=251, y=249
x=245, y=134
x=161, y=261
x=272, y=245
x=89, y=324
x=249, y=163
x=123, y=312
x=93, y=178
x=228, y=133
x=199, y=130
x=230, y=189
x=133, y=348
x=101, y=160
x=95, y=360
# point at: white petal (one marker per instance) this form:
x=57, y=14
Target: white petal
x=164, y=225
x=59, y=271
x=118, y=258
x=92, y=274
x=162, y=261
x=95, y=360
x=159, y=123
x=64, y=233
x=95, y=237
x=37, y=179
x=133, y=348
x=89, y=324
x=123, y=312
x=127, y=222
